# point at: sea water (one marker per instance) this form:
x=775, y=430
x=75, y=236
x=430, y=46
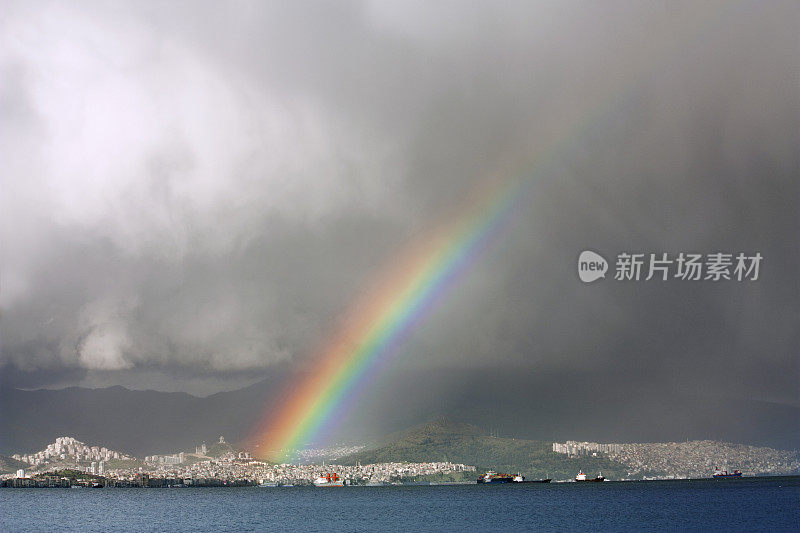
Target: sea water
x=747, y=504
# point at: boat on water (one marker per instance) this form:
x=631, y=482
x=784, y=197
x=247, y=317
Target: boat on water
x=521, y=479
x=722, y=474
x=493, y=477
x=582, y=477
x=268, y=484
x=330, y=479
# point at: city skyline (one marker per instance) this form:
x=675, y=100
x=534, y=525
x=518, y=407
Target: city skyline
x=668, y=460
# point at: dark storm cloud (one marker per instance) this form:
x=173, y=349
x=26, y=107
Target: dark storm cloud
x=194, y=192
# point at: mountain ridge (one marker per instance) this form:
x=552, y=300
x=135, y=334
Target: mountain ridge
x=153, y=422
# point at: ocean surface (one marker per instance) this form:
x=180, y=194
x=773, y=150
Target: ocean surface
x=754, y=504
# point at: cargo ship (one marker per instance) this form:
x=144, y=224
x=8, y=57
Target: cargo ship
x=521, y=479
x=330, y=479
x=493, y=477
x=720, y=474
x=582, y=477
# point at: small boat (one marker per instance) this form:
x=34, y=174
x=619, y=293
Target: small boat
x=582, y=477
x=722, y=474
x=330, y=479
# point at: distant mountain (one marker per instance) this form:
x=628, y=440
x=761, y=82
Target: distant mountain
x=129, y=421
x=542, y=407
x=443, y=440
x=136, y=422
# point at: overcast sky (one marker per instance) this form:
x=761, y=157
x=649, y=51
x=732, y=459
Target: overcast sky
x=193, y=192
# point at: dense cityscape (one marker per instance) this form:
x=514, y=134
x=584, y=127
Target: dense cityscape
x=68, y=461
x=216, y=465
x=691, y=459
x=333, y=453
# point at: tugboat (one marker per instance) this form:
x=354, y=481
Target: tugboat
x=582, y=477
x=330, y=479
x=521, y=479
x=722, y=474
x=493, y=477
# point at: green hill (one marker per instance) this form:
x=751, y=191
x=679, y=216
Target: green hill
x=219, y=449
x=9, y=465
x=463, y=443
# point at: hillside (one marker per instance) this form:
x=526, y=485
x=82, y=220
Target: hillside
x=218, y=449
x=9, y=465
x=443, y=440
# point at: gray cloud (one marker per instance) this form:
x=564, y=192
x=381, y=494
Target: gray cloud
x=193, y=193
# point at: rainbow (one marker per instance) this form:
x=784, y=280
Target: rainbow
x=401, y=298
x=407, y=291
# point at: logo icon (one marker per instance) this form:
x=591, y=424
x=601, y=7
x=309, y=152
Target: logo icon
x=591, y=266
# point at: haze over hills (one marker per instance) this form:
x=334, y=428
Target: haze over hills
x=137, y=422
x=149, y=422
